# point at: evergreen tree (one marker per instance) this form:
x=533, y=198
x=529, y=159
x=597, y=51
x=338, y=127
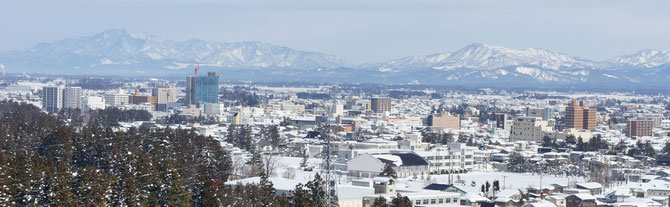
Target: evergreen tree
x=231, y=136
x=380, y=202
x=301, y=196
x=274, y=137
x=570, y=139
x=580, y=144
x=401, y=201
x=389, y=172
x=267, y=192
x=316, y=189
x=547, y=141
x=666, y=148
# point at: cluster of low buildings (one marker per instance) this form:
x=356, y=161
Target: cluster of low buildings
x=373, y=130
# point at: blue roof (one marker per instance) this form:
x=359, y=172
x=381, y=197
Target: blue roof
x=436, y=186
x=410, y=159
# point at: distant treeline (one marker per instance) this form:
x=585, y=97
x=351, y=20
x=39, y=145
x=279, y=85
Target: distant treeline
x=97, y=84
x=108, y=117
x=305, y=95
x=241, y=98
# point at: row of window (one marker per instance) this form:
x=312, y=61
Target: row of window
x=442, y=157
x=436, y=201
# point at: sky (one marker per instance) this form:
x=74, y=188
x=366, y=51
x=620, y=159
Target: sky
x=359, y=31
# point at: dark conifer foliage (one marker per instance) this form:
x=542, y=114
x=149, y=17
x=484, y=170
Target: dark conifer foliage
x=45, y=160
x=64, y=160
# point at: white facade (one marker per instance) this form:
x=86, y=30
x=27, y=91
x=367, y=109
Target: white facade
x=665, y=124
x=144, y=106
x=529, y=129
x=93, y=103
x=213, y=109
x=116, y=99
x=165, y=94
x=452, y=157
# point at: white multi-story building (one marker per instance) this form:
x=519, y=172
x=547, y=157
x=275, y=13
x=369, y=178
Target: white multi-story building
x=213, y=109
x=143, y=106
x=116, y=99
x=665, y=124
x=165, y=94
x=529, y=129
x=52, y=99
x=451, y=157
x=93, y=103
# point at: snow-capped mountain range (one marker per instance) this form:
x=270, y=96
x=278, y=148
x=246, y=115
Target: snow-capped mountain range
x=121, y=47
x=120, y=51
x=488, y=57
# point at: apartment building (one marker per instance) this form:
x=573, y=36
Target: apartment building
x=380, y=105
x=72, y=98
x=530, y=129
x=449, y=158
x=443, y=119
x=638, y=128
x=52, y=99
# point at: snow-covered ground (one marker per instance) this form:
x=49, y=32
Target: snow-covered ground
x=508, y=180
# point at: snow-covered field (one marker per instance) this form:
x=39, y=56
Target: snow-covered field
x=507, y=180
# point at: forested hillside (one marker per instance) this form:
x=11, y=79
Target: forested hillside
x=47, y=161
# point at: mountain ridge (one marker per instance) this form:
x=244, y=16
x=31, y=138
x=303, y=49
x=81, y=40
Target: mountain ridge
x=119, y=51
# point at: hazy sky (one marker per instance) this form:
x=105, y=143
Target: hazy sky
x=356, y=30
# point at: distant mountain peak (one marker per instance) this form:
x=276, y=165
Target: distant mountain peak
x=489, y=57
x=120, y=47
x=646, y=58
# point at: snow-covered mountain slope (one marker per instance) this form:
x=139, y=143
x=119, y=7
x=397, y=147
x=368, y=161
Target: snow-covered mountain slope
x=482, y=56
x=120, y=52
x=643, y=58
x=121, y=47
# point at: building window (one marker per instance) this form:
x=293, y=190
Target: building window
x=440, y=200
x=432, y=201
x=418, y=202
x=448, y=200
x=425, y=201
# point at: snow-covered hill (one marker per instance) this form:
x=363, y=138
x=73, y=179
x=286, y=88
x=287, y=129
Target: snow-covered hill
x=122, y=47
x=643, y=58
x=120, y=52
x=487, y=57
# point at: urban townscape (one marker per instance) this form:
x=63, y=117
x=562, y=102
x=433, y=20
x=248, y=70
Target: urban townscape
x=70, y=141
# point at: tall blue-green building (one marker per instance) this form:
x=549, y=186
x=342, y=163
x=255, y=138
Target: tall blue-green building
x=202, y=89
